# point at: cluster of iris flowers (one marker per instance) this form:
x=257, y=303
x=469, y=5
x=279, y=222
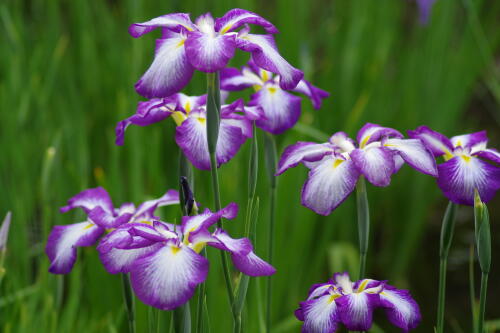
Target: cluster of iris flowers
x=166, y=262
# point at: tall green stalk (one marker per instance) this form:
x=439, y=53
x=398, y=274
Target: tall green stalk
x=129, y=301
x=447, y=230
x=271, y=163
x=363, y=210
x=213, y=124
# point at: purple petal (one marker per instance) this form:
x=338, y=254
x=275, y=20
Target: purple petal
x=425, y=7
x=107, y=220
x=401, y=309
x=235, y=18
x=153, y=234
x=329, y=184
x=167, y=277
x=187, y=103
x=356, y=310
x=320, y=315
x=175, y=22
x=170, y=70
x=343, y=281
x=250, y=264
x=302, y=151
x=470, y=140
x=489, y=154
x=4, y=231
x=265, y=55
x=462, y=174
x=281, y=109
x=375, y=163
x=241, y=246
x=315, y=94
x=123, y=260
x=232, y=79
x=208, y=218
x=147, y=209
x=148, y=113
x=319, y=289
x=373, y=132
x=435, y=141
x=414, y=152
x=209, y=52
x=90, y=199
x=62, y=243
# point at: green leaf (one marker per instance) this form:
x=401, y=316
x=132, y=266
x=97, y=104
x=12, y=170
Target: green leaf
x=213, y=110
x=483, y=236
x=447, y=229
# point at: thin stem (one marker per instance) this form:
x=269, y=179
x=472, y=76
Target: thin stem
x=441, y=295
x=363, y=224
x=201, y=299
x=182, y=319
x=129, y=301
x=472, y=293
x=237, y=324
x=482, y=302
x=270, y=257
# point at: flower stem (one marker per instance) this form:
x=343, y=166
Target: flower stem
x=182, y=319
x=363, y=224
x=447, y=230
x=128, y=298
x=482, y=302
x=472, y=293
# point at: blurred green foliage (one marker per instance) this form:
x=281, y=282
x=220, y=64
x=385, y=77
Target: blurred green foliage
x=67, y=70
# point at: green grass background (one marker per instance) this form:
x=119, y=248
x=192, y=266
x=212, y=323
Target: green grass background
x=67, y=70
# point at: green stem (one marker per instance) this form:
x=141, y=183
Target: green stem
x=182, y=319
x=441, y=294
x=472, y=293
x=363, y=224
x=128, y=298
x=482, y=302
x=201, y=299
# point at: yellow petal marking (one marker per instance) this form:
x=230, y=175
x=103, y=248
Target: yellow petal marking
x=180, y=43
x=337, y=163
x=88, y=226
x=365, y=141
x=226, y=29
x=272, y=90
x=175, y=249
x=178, y=117
x=187, y=107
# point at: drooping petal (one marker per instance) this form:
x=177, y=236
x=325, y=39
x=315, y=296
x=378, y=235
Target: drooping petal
x=302, y=151
x=148, y=113
x=170, y=70
x=315, y=94
x=373, y=132
x=209, y=52
x=435, y=141
x=232, y=79
x=470, y=140
x=167, y=277
x=401, y=309
x=328, y=184
x=4, y=231
x=462, y=174
x=414, y=152
x=235, y=18
x=241, y=246
x=175, y=22
x=250, y=264
x=356, y=310
x=265, y=55
x=343, y=142
x=489, y=154
x=62, y=243
x=118, y=260
x=375, y=163
x=281, y=109
x=90, y=199
x=320, y=315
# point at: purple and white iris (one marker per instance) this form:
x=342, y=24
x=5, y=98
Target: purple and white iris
x=167, y=266
x=189, y=113
x=341, y=301
x=337, y=164
x=468, y=165
x=281, y=109
x=207, y=45
x=101, y=216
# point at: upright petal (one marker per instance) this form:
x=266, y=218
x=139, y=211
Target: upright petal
x=414, y=152
x=435, y=141
x=373, y=132
x=236, y=18
x=175, y=22
x=187, y=103
x=375, y=163
x=90, y=199
x=470, y=140
x=328, y=185
x=343, y=142
x=62, y=243
x=356, y=310
x=462, y=174
x=209, y=52
x=281, y=109
x=147, y=209
x=401, y=308
x=302, y=151
x=170, y=70
x=167, y=278
x=265, y=55
x=315, y=94
x=320, y=314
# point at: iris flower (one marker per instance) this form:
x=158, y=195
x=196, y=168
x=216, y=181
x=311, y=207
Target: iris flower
x=207, y=45
x=101, y=215
x=353, y=303
x=281, y=109
x=468, y=165
x=167, y=271
x=337, y=164
x=189, y=114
